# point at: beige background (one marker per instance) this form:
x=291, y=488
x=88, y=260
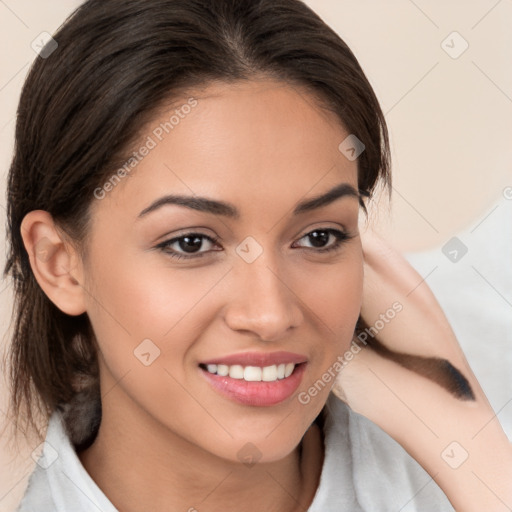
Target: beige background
x=450, y=121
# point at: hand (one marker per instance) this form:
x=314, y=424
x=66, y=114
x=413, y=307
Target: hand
x=431, y=404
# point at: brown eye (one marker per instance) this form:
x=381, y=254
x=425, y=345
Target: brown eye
x=320, y=238
x=188, y=245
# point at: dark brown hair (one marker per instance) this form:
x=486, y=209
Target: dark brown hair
x=82, y=107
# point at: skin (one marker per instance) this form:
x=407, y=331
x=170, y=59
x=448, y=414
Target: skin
x=168, y=440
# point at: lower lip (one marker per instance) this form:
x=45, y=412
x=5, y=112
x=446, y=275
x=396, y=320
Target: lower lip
x=261, y=394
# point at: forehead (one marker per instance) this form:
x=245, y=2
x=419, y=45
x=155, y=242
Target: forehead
x=243, y=142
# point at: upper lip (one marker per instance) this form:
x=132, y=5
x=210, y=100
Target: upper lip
x=261, y=359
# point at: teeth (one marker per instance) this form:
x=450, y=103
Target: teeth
x=269, y=373
x=236, y=371
x=222, y=370
x=288, y=369
x=253, y=373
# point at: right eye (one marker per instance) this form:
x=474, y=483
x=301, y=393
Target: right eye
x=187, y=246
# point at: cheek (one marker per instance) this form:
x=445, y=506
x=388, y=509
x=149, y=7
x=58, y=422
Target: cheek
x=145, y=301
x=335, y=302
x=334, y=294
x=145, y=318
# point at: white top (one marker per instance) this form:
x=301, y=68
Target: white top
x=364, y=469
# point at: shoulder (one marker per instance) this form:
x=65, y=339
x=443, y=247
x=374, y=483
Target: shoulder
x=38, y=495
x=59, y=482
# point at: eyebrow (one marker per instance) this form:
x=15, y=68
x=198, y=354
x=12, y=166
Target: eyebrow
x=228, y=210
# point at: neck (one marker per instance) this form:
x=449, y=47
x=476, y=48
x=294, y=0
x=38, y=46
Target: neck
x=163, y=471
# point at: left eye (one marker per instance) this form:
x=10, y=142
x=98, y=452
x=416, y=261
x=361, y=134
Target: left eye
x=320, y=238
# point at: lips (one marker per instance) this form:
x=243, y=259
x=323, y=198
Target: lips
x=257, y=379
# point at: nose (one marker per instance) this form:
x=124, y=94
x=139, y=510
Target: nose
x=263, y=302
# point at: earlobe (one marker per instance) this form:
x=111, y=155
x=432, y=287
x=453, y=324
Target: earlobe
x=55, y=263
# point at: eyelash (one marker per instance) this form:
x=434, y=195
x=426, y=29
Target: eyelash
x=340, y=237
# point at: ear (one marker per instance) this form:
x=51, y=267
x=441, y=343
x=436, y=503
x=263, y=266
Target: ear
x=55, y=263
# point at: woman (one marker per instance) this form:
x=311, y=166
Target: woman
x=184, y=205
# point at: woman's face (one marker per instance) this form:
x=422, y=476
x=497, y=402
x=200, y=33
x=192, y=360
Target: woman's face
x=201, y=301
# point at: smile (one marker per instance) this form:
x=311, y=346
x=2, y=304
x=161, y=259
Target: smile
x=257, y=379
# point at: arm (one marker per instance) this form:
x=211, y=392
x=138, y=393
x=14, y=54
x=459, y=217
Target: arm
x=449, y=427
